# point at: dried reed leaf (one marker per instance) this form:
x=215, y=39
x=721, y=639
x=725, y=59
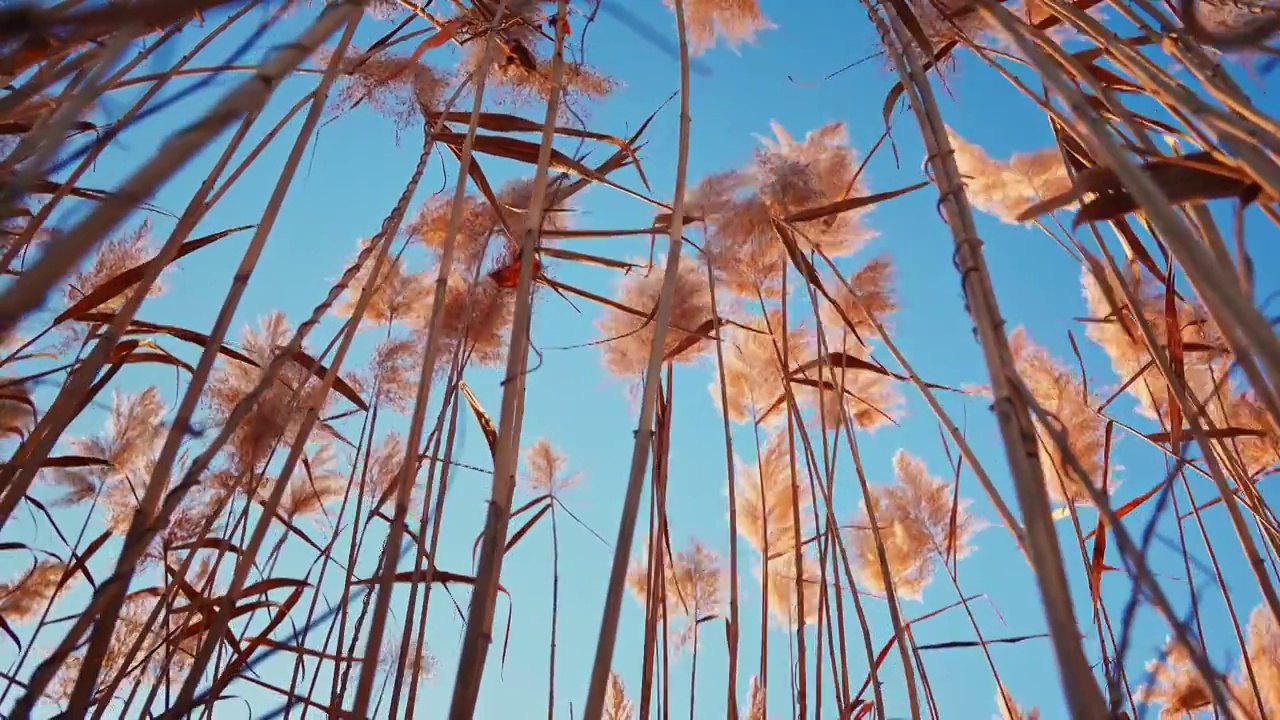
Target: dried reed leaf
x=587, y=259
x=115, y=286
x=140, y=327
x=852, y=203
x=505, y=123
x=319, y=370
x=1189, y=178
x=524, y=529
x=487, y=425
x=210, y=543
x=518, y=150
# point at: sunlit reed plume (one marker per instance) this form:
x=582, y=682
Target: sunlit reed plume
x=734, y=21
x=1009, y=710
x=947, y=20
x=1259, y=451
x=626, y=352
x=1006, y=188
x=1061, y=394
x=476, y=320
x=399, y=295
x=392, y=373
x=753, y=375
x=694, y=587
x=276, y=412
x=765, y=502
x=873, y=290
x=783, y=177
x=481, y=235
x=869, y=396
x=545, y=469
x=398, y=87
x=479, y=224
x=755, y=709
x=914, y=516
x=114, y=257
x=616, y=704
x=1115, y=330
x=316, y=482
x=424, y=667
x=166, y=651
x=780, y=582
x=1175, y=686
x=521, y=71
x=27, y=597
x=1263, y=646
x=127, y=447
x=791, y=176
x=383, y=464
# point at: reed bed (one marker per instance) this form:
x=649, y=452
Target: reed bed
x=249, y=473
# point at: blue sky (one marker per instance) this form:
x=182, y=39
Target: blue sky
x=354, y=171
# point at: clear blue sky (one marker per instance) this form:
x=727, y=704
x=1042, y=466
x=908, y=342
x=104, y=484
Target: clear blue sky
x=355, y=170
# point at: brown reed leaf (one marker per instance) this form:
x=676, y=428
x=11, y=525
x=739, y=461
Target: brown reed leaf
x=19, y=127
x=516, y=149
x=616, y=704
x=852, y=203
x=80, y=561
x=692, y=338
x=74, y=461
x=210, y=543
x=486, y=423
x=1175, y=685
x=1193, y=177
x=317, y=368
x=524, y=529
x=109, y=289
x=1221, y=433
x=915, y=519
x=506, y=123
x=128, y=352
x=140, y=327
x=26, y=597
x=586, y=259
x=17, y=408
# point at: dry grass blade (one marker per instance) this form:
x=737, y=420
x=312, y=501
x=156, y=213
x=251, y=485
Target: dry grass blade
x=117, y=285
x=1189, y=178
x=847, y=204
